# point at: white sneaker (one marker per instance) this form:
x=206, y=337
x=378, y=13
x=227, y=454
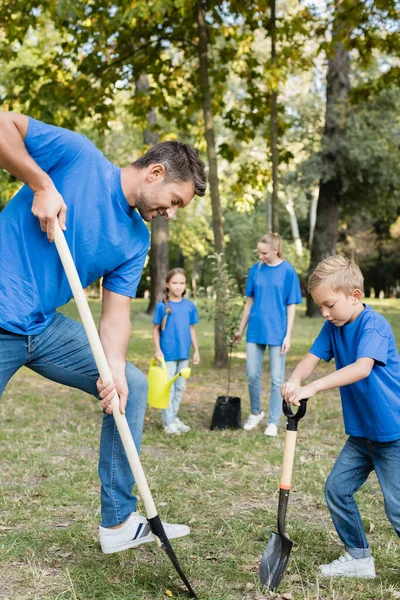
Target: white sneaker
x=271, y=430
x=182, y=427
x=253, y=421
x=134, y=532
x=172, y=429
x=347, y=566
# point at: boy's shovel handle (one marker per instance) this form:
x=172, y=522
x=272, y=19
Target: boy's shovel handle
x=104, y=370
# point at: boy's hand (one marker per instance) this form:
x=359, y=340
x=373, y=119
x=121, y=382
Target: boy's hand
x=298, y=393
x=287, y=389
x=196, y=358
x=159, y=355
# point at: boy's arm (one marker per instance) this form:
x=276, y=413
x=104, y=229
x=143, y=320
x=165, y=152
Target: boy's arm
x=193, y=337
x=245, y=317
x=290, y=312
x=345, y=376
x=158, y=353
x=15, y=158
x=302, y=372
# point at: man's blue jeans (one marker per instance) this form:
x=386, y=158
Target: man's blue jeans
x=355, y=462
x=173, y=367
x=254, y=359
x=62, y=353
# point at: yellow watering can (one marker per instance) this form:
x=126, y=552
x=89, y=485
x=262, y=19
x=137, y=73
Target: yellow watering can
x=160, y=384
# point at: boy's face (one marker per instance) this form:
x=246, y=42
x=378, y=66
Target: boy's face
x=338, y=307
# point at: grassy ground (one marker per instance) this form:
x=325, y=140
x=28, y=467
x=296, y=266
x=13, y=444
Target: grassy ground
x=224, y=484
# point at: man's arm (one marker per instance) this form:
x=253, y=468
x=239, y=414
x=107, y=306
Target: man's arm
x=245, y=318
x=15, y=158
x=115, y=331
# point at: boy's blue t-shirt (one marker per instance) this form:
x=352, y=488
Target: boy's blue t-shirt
x=273, y=289
x=175, y=339
x=371, y=407
x=107, y=238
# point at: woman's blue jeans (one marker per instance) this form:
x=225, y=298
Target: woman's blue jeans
x=173, y=367
x=254, y=359
x=62, y=353
x=355, y=462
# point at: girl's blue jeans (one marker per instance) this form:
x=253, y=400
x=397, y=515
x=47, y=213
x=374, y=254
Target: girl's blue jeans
x=254, y=359
x=62, y=353
x=355, y=462
x=173, y=367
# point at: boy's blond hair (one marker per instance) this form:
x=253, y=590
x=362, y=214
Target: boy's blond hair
x=339, y=273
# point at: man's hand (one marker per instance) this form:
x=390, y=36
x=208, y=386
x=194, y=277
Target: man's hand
x=292, y=393
x=48, y=204
x=286, y=345
x=107, y=390
x=196, y=358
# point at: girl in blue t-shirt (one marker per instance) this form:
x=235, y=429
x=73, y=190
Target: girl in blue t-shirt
x=173, y=334
x=272, y=290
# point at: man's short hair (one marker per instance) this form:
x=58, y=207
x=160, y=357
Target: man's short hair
x=339, y=273
x=181, y=162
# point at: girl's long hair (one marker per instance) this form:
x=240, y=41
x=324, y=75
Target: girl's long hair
x=168, y=309
x=274, y=240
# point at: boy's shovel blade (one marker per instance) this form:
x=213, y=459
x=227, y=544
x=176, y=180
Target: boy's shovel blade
x=274, y=560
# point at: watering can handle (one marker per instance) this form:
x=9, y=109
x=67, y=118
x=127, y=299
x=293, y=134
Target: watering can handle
x=160, y=360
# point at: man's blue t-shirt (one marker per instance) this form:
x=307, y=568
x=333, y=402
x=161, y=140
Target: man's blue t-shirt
x=273, y=289
x=175, y=339
x=371, y=407
x=107, y=238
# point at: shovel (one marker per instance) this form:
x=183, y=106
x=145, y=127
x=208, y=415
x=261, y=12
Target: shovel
x=276, y=554
x=120, y=420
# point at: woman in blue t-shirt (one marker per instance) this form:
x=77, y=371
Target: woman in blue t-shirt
x=173, y=333
x=272, y=290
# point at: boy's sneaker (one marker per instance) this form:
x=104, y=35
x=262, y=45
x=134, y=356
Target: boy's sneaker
x=134, y=532
x=253, y=421
x=172, y=429
x=347, y=566
x=182, y=427
x=271, y=430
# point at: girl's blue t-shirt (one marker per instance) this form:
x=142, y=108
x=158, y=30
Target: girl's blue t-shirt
x=107, y=238
x=175, y=339
x=273, y=289
x=371, y=407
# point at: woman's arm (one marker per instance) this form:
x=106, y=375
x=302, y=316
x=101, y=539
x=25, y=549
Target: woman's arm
x=290, y=314
x=245, y=319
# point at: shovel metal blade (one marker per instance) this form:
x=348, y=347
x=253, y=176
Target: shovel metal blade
x=274, y=560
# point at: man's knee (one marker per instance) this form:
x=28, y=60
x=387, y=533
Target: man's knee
x=136, y=380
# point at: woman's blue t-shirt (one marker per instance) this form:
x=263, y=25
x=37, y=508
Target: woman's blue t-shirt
x=175, y=339
x=371, y=407
x=273, y=289
x=107, y=238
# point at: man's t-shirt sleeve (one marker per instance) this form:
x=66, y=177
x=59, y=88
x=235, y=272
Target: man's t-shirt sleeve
x=322, y=347
x=373, y=345
x=125, y=279
x=249, y=291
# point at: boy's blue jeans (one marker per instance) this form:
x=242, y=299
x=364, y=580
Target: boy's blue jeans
x=62, y=353
x=355, y=462
x=254, y=359
x=173, y=367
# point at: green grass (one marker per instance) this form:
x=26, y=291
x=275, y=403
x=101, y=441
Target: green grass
x=224, y=484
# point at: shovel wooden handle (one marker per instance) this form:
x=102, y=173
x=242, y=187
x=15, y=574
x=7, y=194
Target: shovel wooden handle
x=104, y=370
x=288, y=460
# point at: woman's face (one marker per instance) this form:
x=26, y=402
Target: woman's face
x=266, y=253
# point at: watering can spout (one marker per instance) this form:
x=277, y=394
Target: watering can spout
x=160, y=384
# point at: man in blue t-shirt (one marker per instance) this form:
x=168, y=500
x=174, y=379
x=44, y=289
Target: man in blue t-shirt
x=101, y=209
x=368, y=373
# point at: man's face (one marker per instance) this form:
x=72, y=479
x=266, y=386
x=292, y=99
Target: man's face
x=159, y=198
x=337, y=307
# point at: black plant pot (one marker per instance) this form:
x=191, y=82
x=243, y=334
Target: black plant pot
x=227, y=413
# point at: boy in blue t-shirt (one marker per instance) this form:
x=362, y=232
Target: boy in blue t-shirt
x=368, y=373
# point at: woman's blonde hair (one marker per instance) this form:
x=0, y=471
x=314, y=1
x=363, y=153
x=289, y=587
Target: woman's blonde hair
x=168, y=309
x=339, y=273
x=274, y=240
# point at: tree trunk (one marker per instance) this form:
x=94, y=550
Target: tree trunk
x=330, y=189
x=159, y=250
x=274, y=124
x=295, y=227
x=221, y=351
